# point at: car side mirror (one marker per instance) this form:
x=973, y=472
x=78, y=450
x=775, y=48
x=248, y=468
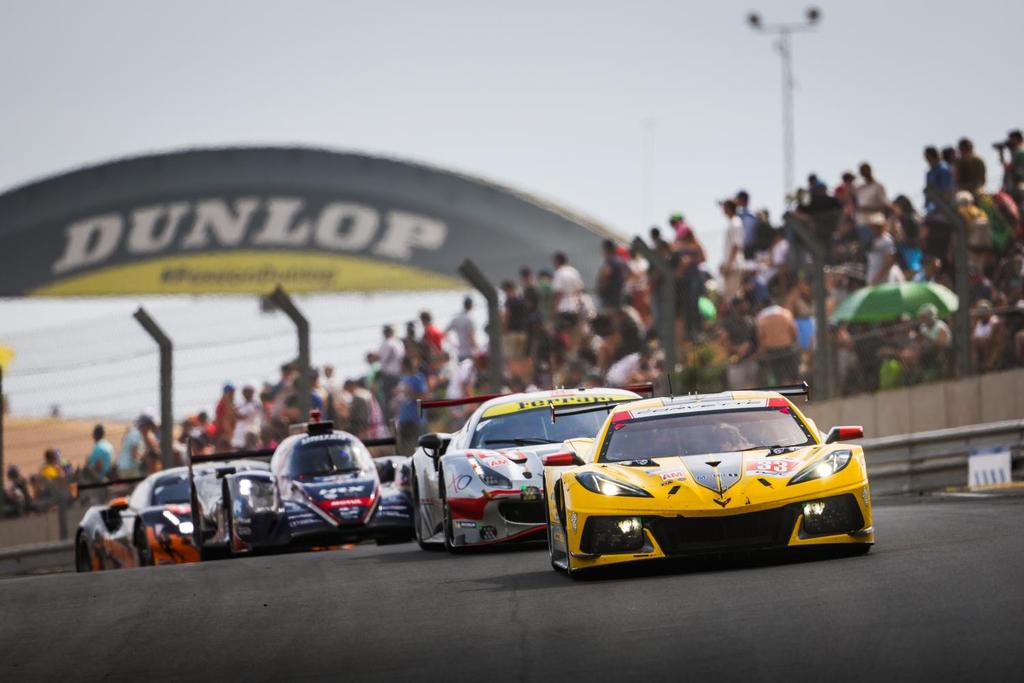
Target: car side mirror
x=118, y=504
x=844, y=433
x=434, y=444
x=567, y=459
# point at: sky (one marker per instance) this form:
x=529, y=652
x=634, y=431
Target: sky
x=551, y=97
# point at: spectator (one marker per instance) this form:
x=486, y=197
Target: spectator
x=823, y=211
x=970, y=168
x=776, y=343
x=935, y=342
x=845, y=192
x=611, y=277
x=546, y=292
x=391, y=353
x=882, y=254
x=733, y=250
x=679, y=225
x=225, y=416
x=19, y=496
x=411, y=388
x=250, y=416
x=1011, y=155
x=527, y=285
x=567, y=286
x=870, y=200
x=739, y=337
x=101, y=458
x=938, y=178
x=133, y=448
x=465, y=330
x=411, y=343
x=749, y=221
x=515, y=320
x=433, y=338
x=988, y=338
x=979, y=233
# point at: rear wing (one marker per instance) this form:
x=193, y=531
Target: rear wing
x=109, y=482
x=647, y=388
x=801, y=389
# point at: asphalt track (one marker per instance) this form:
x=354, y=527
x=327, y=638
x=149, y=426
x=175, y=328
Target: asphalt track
x=941, y=595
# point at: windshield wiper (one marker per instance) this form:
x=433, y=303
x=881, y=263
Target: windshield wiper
x=770, y=448
x=521, y=441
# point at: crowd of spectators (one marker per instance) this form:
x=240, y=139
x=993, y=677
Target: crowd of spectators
x=750, y=321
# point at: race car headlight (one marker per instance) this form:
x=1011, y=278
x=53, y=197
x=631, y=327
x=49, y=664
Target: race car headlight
x=826, y=467
x=612, y=535
x=489, y=476
x=606, y=486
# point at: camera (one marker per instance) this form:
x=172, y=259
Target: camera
x=1000, y=146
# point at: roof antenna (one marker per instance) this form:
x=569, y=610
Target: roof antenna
x=668, y=377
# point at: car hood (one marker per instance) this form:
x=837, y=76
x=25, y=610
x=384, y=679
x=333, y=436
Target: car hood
x=743, y=477
x=346, y=498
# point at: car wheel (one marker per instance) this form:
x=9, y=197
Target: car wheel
x=417, y=516
x=551, y=542
x=446, y=526
x=141, y=544
x=83, y=558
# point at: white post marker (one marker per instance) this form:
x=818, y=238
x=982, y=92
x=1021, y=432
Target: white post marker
x=987, y=466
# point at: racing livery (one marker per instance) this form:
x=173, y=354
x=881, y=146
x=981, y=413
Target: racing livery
x=154, y=525
x=701, y=474
x=323, y=488
x=483, y=484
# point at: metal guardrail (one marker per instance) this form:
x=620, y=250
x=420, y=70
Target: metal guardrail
x=936, y=459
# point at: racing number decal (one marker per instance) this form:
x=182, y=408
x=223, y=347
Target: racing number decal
x=772, y=467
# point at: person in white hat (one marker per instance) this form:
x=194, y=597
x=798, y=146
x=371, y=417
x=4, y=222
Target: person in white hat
x=250, y=415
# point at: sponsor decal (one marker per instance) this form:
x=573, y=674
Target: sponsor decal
x=236, y=507
x=573, y=398
x=495, y=461
x=772, y=467
x=345, y=503
x=338, y=491
x=529, y=492
x=463, y=524
x=573, y=518
x=319, y=438
x=690, y=406
x=462, y=481
x=668, y=476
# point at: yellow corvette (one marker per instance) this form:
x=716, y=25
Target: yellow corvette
x=704, y=474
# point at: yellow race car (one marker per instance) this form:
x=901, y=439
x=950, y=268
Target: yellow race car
x=705, y=474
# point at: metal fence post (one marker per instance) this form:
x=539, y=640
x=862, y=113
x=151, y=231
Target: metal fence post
x=667, y=309
x=166, y=387
x=62, y=513
x=962, y=317
x=496, y=362
x=285, y=303
x=822, y=353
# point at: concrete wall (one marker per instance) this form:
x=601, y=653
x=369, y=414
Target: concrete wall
x=939, y=405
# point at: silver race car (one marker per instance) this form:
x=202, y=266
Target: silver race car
x=492, y=469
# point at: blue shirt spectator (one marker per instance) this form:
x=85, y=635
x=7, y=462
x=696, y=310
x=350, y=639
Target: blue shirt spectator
x=102, y=455
x=749, y=221
x=938, y=177
x=413, y=386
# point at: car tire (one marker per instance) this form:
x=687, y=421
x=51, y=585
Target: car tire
x=447, y=528
x=83, y=558
x=141, y=543
x=417, y=519
x=551, y=542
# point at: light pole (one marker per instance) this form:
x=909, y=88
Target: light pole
x=783, y=45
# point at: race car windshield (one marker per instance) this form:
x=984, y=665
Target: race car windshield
x=534, y=427
x=322, y=459
x=171, y=490
x=698, y=433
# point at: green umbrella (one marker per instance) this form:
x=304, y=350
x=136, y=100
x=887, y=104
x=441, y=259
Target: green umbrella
x=889, y=301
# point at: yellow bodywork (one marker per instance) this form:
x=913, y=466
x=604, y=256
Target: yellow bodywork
x=676, y=494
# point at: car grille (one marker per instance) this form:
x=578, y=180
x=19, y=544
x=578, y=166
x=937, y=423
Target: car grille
x=519, y=512
x=684, y=535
